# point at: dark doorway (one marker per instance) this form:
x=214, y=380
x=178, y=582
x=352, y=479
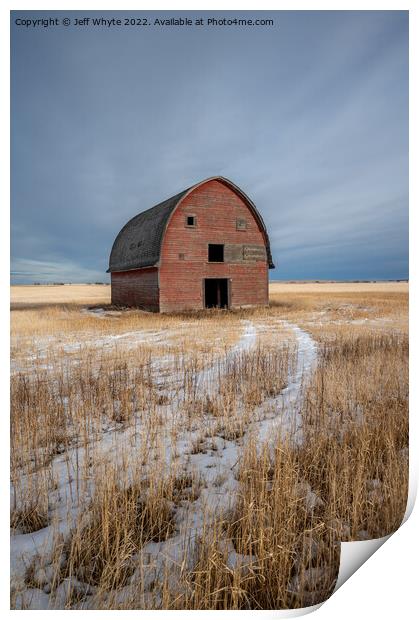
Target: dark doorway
x=216, y=293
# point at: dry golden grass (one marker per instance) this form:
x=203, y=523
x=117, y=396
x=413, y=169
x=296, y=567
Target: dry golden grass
x=81, y=294
x=89, y=294
x=356, y=430
x=333, y=288
x=121, y=431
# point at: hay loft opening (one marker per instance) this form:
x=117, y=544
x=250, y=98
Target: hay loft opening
x=215, y=253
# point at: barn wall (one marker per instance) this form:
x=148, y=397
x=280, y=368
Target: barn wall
x=216, y=208
x=138, y=287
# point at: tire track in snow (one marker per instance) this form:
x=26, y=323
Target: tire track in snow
x=215, y=497
x=167, y=557
x=286, y=417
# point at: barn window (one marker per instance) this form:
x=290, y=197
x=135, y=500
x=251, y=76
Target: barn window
x=191, y=221
x=241, y=224
x=215, y=253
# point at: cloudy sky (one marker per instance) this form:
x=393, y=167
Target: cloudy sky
x=309, y=117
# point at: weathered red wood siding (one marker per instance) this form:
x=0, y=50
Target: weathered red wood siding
x=139, y=287
x=216, y=208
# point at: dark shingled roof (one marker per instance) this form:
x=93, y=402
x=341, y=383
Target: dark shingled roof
x=139, y=242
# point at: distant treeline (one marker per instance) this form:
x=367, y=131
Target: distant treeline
x=70, y=283
x=336, y=281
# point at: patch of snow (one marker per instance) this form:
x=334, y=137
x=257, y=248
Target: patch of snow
x=99, y=312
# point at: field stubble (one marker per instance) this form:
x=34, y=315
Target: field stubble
x=141, y=478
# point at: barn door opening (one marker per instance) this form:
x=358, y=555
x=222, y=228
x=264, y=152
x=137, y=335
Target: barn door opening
x=216, y=293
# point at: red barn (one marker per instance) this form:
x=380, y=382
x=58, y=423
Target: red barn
x=205, y=247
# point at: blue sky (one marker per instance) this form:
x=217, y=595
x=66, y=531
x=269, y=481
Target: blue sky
x=309, y=117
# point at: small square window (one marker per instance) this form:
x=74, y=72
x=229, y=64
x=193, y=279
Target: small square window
x=215, y=253
x=241, y=223
x=181, y=257
x=191, y=221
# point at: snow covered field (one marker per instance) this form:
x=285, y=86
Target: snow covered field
x=171, y=423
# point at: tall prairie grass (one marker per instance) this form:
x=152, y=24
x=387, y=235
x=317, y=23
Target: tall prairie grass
x=107, y=427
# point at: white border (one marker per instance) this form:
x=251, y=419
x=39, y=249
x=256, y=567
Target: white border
x=386, y=585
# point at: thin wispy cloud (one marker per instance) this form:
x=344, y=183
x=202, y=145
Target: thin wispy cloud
x=48, y=271
x=309, y=117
